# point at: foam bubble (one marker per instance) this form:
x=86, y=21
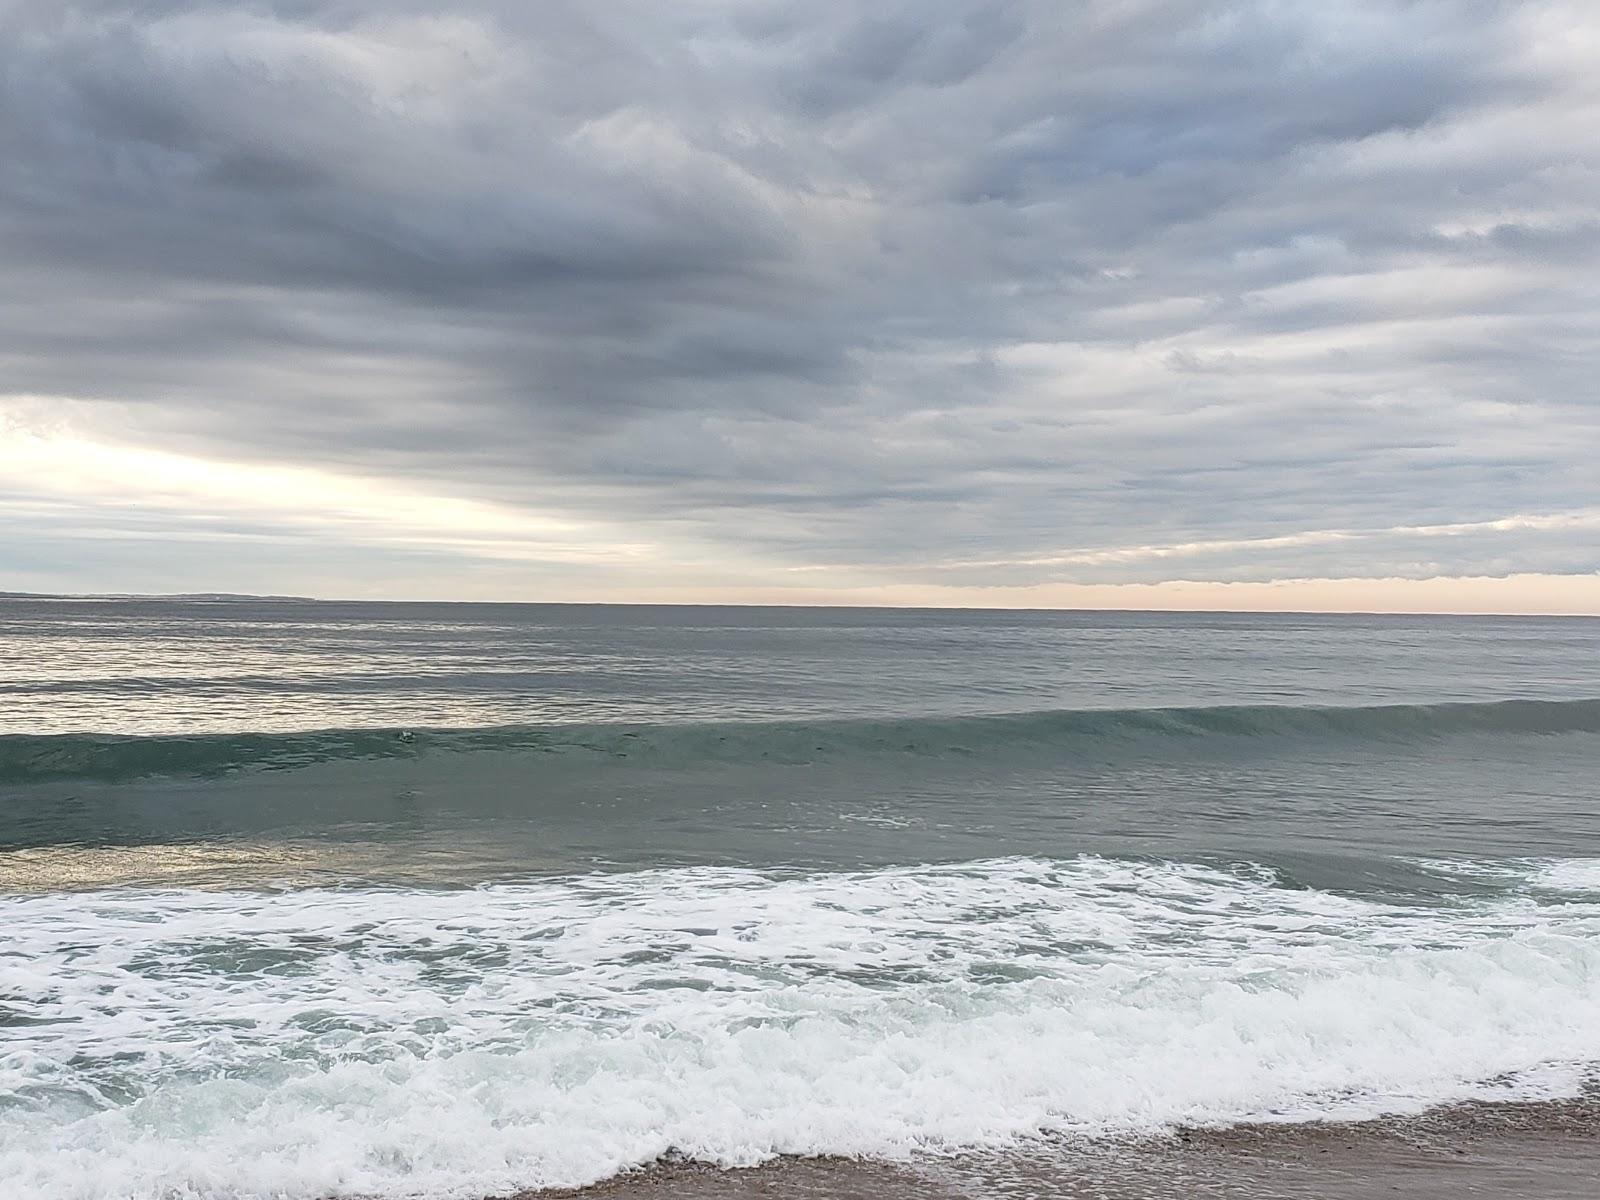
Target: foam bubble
x=169, y=1043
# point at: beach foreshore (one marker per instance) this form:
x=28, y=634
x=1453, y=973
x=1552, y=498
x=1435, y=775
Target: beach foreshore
x=1508, y=1151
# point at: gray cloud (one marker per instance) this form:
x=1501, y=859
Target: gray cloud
x=780, y=285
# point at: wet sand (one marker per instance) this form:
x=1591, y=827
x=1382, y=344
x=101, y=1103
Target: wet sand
x=1545, y=1151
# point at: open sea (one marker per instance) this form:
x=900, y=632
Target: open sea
x=304, y=900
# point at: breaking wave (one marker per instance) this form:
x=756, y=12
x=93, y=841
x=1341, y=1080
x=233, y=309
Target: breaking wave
x=463, y=1042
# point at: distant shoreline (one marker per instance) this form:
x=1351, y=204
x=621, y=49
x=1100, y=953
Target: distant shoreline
x=191, y=597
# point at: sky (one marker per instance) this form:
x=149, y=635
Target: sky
x=1125, y=303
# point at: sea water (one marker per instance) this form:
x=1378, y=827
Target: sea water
x=306, y=900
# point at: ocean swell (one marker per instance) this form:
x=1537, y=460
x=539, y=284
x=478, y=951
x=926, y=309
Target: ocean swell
x=28, y=759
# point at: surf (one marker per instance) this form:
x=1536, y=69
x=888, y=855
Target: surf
x=468, y=1041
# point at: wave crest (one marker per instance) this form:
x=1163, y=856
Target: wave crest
x=112, y=757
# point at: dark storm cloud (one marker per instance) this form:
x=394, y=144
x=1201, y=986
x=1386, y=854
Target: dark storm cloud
x=885, y=287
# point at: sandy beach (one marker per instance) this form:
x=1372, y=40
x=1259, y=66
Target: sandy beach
x=1546, y=1151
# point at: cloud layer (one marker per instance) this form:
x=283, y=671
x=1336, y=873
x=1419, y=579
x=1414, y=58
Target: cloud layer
x=566, y=299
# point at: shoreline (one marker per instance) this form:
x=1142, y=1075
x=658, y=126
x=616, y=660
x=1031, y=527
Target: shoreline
x=1510, y=1150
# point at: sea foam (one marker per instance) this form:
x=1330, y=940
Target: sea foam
x=457, y=1043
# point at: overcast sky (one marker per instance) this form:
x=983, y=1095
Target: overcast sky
x=1106, y=302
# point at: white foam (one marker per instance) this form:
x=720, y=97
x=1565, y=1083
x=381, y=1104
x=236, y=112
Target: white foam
x=1569, y=875
x=460, y=1043
x=1544, y=874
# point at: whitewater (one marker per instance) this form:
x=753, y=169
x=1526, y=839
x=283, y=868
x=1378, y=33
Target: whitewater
x=474, y=1041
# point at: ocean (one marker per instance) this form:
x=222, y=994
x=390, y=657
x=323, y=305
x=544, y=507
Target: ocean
x=305, y=900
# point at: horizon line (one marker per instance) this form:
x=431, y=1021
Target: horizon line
x=836, y=604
